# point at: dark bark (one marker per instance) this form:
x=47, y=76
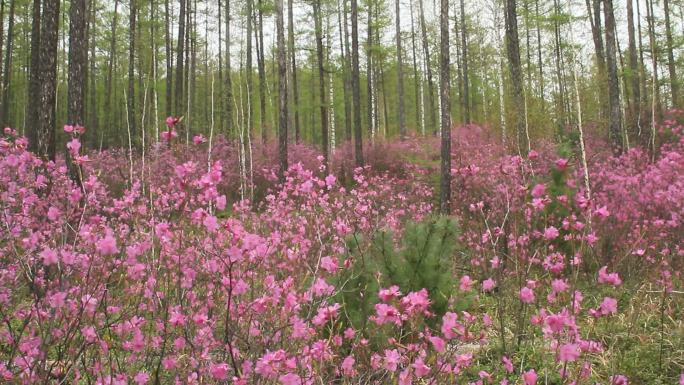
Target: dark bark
x=400, y=75
x=230, y=126
x=356, y=87
x=5, y=119
x=34, y=79
x=262, y=72
x=633, y=73
x=513, y=53
x=465, y=100
x=180, y=72
x=282, y=90
x=169, y=68
x=293, y=68
x=344, y=47
x=674, y=83
x=614, y=118
x=48, y=80
x=318, y=33
x=445, y=89
x=432, y=125
x=130, y=97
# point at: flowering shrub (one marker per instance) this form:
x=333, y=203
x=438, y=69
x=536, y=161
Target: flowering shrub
x=152, y=270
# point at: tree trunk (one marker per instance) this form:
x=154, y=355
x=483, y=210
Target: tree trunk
x=230, y=123
x=293, y=65
x=5, y=119
x=445, y=111
x=318, y=33
x=674, y=83
x=130, y=99
x=262, y=72
x=32, y=109
x=356, y=87
x=428, y=69
x=282, y=90
x=180, y=78
x=78, y=56
x=633, y=73
x=614, y=117
x=48, y=78
x=513, y=53
x=464, y=60
x=400, y=75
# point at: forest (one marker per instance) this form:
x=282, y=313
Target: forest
x=303, y=192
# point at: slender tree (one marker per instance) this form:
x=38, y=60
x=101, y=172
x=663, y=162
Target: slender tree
x=48, y=78
x=230, y=124
x=34, y=78
x=318, y=33
x=465, y=100
x=614, y=118
x=633, y=73
x=5, y=119
x=282, y=90
x=180, y=72
x=169, y=65
x=674, y=83
x=445, y=110
x=130, y=96
x=356, y=87
x=400, y=73
x=513, y=53
x=78, y=56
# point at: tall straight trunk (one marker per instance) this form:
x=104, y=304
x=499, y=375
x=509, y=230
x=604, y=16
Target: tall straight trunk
x=222, y=104
x=130, y=98
x=262, y=71
x=180, y=78
x=560, y=95
x=445, y=111
x=540, y=63
x=417, y=82
x=428, y=68
x=169, y=67
x=615, y=128
x=464, y=61
x=282, y=90
x=344, y=52
x=78, y=56
x=674, y=83
x=513, y=53
x=34, y=78
x=248, y=70
x=155, y=69
x=230, y=123
x=642, y=62
x=293, y=66
x=594, y=12
x=655, y=93
x=356, y=87
x=92, y=106
x=48, y=78
x=633, y=73
x=5, y=119
x=318, y=33
x=400, y=74
x=371, y=112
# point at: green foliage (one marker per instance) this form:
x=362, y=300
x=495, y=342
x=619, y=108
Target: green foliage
x=423, y=260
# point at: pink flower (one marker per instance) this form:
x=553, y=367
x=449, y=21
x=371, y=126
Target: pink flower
x=609, y=278
x=386, y=314
x=561, y=164
x=449, y=324
x=348, y=366
x=420, y=368
x=619, y=379
x=326, y=314
x=508, y=364
x=211, y=223
x=74, y=146
x=107, y=245
x=329, y=264
x=50, y=257
x=330, y=181
x=533, y=155
x=141, y=378
x=168, y=135
x=530, y=377
x=488, y=284
x=551, y=233
x=538, y=190
x=568, y=353
x=527, y=295
x=681, y=379
x=602, y=212
x=219, y=371
x=198, y=139
x=387, y=295
x=438, y=343
x=290, y=379
x=171, y=121
x=466, y=283
x=609, y=306
x=392, y=359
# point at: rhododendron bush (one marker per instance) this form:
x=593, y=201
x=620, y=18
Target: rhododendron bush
x=157, y=272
